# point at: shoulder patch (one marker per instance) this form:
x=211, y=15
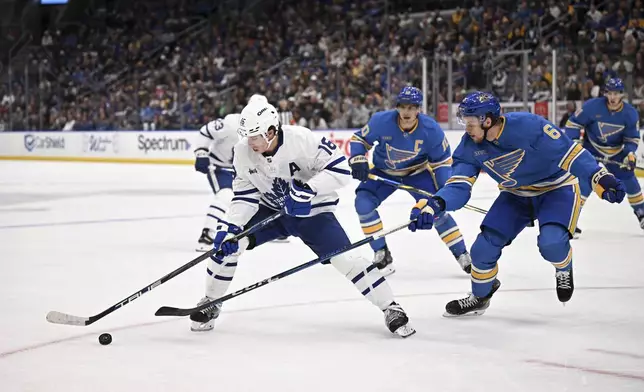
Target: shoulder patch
x=365, y=130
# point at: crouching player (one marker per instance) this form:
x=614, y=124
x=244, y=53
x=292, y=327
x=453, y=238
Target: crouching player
x=538, y=170
x=288, y=167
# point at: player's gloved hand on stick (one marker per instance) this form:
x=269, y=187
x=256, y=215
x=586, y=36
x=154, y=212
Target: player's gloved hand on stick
x=298, y=200
x=630, y=161
x=359, y=167
x=608, y=187
x=423, y=213
x=222, y=242
x=202, y=161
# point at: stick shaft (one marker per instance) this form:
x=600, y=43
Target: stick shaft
x=419, y=191
x=170, y=311
x=62, y=318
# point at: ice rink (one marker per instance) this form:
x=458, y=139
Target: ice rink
x=79, y=237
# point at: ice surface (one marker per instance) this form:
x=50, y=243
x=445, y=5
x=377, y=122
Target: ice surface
x=77, y=238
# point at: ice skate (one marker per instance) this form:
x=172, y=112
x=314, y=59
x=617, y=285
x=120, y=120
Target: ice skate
x=204, y=320
x=465, y=261
x=640, y=216
x=565, y=285
x=472, y=305
x=397, y=321
x=382, y=259
x=205, y=241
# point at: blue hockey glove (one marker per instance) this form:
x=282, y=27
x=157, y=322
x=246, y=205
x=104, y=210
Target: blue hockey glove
x=630, y=161
x=202, y=161
x=359, y=167
x=298, y=200
x=608, y=187
x=222, y=241
x=423, y=214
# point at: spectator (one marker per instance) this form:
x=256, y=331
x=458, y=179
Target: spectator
x=570, y=110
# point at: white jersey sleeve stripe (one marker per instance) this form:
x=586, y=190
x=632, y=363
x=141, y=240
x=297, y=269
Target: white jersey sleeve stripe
x=246, y=192
x=245, y=199
x=205, y=134
x=331, y=166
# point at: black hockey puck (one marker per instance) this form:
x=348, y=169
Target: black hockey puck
x=105, y=339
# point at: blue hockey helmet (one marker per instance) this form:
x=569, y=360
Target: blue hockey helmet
x=479, y=104
x=615, y=84
x=410, y=95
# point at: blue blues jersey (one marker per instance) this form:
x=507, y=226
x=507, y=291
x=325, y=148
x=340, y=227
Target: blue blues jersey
x=608, y=132
x=399, y=152
x=530, y=156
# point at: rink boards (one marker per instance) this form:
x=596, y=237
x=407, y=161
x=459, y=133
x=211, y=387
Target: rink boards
x=165, y=147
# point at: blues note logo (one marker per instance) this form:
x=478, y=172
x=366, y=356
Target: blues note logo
x=607, y=130
x=505, y=165
x=396, y=156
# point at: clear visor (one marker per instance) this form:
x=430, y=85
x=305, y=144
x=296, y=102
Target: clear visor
x=464, y=120
x=254, y=135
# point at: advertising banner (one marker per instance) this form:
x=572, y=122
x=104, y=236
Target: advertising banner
x=142, y=146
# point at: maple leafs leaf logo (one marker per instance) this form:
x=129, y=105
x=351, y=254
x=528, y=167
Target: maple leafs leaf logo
x=279, y=189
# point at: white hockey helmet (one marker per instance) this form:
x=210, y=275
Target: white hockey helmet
x=257, y=118
x=257, y=98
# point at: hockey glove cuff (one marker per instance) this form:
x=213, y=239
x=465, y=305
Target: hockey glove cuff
x=423, y=213
x=359, y=167
x=298, y=200
x=608, y=187
x=202, y=161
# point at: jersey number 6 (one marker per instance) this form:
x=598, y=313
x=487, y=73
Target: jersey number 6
x=551, y=131
x=327, y=145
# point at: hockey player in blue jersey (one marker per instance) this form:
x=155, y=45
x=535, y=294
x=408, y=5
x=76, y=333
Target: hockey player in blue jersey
x=611, y=134
x=538, y=169
x=411, y=149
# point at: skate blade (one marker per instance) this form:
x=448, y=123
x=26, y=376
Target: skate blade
x=405, y=331
x=203, y=248
x=282, y=241
x=468, y=314
x=205, y=327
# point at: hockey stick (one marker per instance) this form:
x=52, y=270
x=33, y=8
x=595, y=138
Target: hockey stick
x=610, y=162
x=419, y=191
x=216, y=168
x=68, y=319
x=170, y=311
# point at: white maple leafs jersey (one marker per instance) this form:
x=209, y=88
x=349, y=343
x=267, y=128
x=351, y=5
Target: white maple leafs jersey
x=218, y=138
x=265, y=180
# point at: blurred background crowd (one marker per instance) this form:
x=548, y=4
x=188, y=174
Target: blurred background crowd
x=176, y=64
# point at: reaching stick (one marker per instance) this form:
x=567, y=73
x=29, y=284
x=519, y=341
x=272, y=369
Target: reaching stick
x=170, y=311
x=419, y=191
x=68, y=319
x=607, y=161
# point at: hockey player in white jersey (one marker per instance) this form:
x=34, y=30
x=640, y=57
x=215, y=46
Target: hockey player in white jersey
x=289, y=167
x=214, y=157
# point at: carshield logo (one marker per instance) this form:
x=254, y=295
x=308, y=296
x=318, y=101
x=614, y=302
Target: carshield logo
x=36, y=142
x=30, y=142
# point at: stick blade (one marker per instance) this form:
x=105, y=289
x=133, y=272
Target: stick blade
x=170, y=311
x=67, y=319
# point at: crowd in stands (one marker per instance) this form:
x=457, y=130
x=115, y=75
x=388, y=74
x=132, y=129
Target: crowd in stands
x=180, y=65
